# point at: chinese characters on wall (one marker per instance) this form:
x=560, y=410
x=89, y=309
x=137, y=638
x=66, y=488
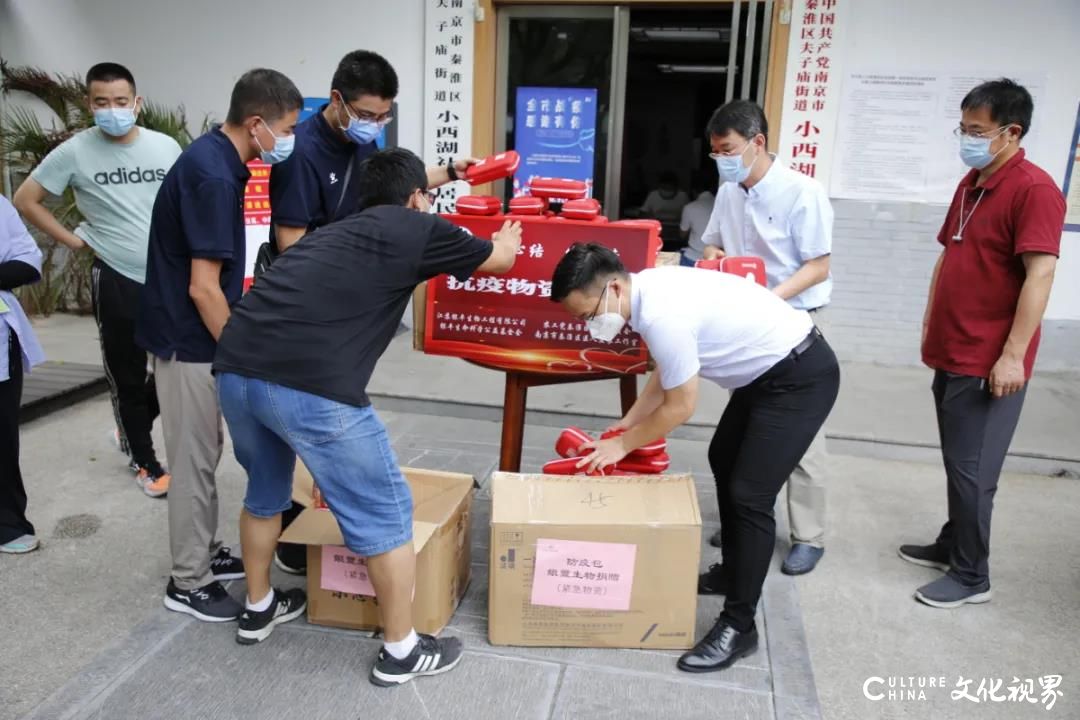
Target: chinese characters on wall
x=448, y=69
x=810, y=101
x=510, y=321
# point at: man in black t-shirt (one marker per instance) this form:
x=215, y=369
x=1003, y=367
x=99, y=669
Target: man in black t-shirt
x=293, y=365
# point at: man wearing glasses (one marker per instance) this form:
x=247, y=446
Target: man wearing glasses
x=783, y=377
x=318, y=183
x=1001, y=239
x=769, y=211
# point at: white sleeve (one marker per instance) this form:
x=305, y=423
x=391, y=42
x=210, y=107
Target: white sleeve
x=712, y=236
x=812, y=223
x=649, y=205
x=673, y=346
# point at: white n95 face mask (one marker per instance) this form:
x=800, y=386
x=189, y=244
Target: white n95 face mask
x=607, y=325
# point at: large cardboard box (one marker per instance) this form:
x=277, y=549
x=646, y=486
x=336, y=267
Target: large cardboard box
x=594, y=561
x=442, y=505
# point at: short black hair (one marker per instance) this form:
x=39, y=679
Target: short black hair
x=669, y=178
x=363, y=72
x=580, y=268
x=1008, y=101
x=389, y=177
x=263, y=92
x=108, y=72
x=742, y=116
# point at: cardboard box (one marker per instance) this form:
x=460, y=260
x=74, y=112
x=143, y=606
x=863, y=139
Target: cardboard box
x=442, y=505
x=594, y=561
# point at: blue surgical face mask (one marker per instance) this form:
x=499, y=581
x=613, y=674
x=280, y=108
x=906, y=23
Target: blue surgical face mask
x=731, y=167
x=283, y=147
x=975, y=151
x=115, y=121
x=360, y=131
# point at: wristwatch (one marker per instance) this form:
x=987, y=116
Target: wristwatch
x=451, y=171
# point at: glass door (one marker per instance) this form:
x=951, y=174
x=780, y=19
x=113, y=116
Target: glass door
x=560, y=94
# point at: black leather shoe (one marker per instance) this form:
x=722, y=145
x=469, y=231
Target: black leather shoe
x=717, y=540
x=714, y=581
x=720, y=648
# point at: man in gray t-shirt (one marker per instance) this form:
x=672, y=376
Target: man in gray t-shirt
x=114, y=169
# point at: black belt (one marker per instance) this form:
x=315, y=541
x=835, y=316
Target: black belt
x=806, y=344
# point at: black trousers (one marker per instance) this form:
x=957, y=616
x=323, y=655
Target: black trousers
x=762, y=435
x=976, y=430
x=131, y=387
x=13, y=522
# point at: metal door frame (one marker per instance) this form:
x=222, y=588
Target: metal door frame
x=620, y=29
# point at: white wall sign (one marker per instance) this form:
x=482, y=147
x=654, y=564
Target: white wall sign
x=811, y=86
x=448, y=88
x=894, y=138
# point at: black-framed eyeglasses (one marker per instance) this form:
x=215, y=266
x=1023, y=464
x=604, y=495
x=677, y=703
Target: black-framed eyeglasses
x=365, y=116
x=596, y=310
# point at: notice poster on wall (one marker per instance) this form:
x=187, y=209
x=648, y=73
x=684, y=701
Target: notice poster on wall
x=895, y=135
x=555, y=134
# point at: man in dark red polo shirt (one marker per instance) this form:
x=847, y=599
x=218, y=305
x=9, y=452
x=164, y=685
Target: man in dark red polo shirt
x=989, y=290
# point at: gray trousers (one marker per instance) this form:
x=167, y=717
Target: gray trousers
x=806, y=486
x=191, y=423
x=976, y=430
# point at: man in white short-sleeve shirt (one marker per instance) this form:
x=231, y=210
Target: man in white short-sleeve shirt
x=769, y=211
x=784, y=379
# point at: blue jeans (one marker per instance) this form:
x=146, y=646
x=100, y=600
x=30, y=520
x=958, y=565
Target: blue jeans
x=685, y=261
x=346, y=448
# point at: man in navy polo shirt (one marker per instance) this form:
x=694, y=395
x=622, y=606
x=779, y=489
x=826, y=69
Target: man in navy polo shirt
x=194, y=274
x=319, y=183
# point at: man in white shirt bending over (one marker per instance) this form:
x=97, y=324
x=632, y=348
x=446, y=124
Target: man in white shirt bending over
x=719, y=327
x=784, y=217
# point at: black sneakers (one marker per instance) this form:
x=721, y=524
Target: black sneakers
x=256, y=626
x=932, y=556
x=431, y=656
x=225, y=566
x=209, y=603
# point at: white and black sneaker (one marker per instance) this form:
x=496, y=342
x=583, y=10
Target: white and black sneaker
x=431, y=656
x=225, y=566
x=256, y=626
x=210, y=603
